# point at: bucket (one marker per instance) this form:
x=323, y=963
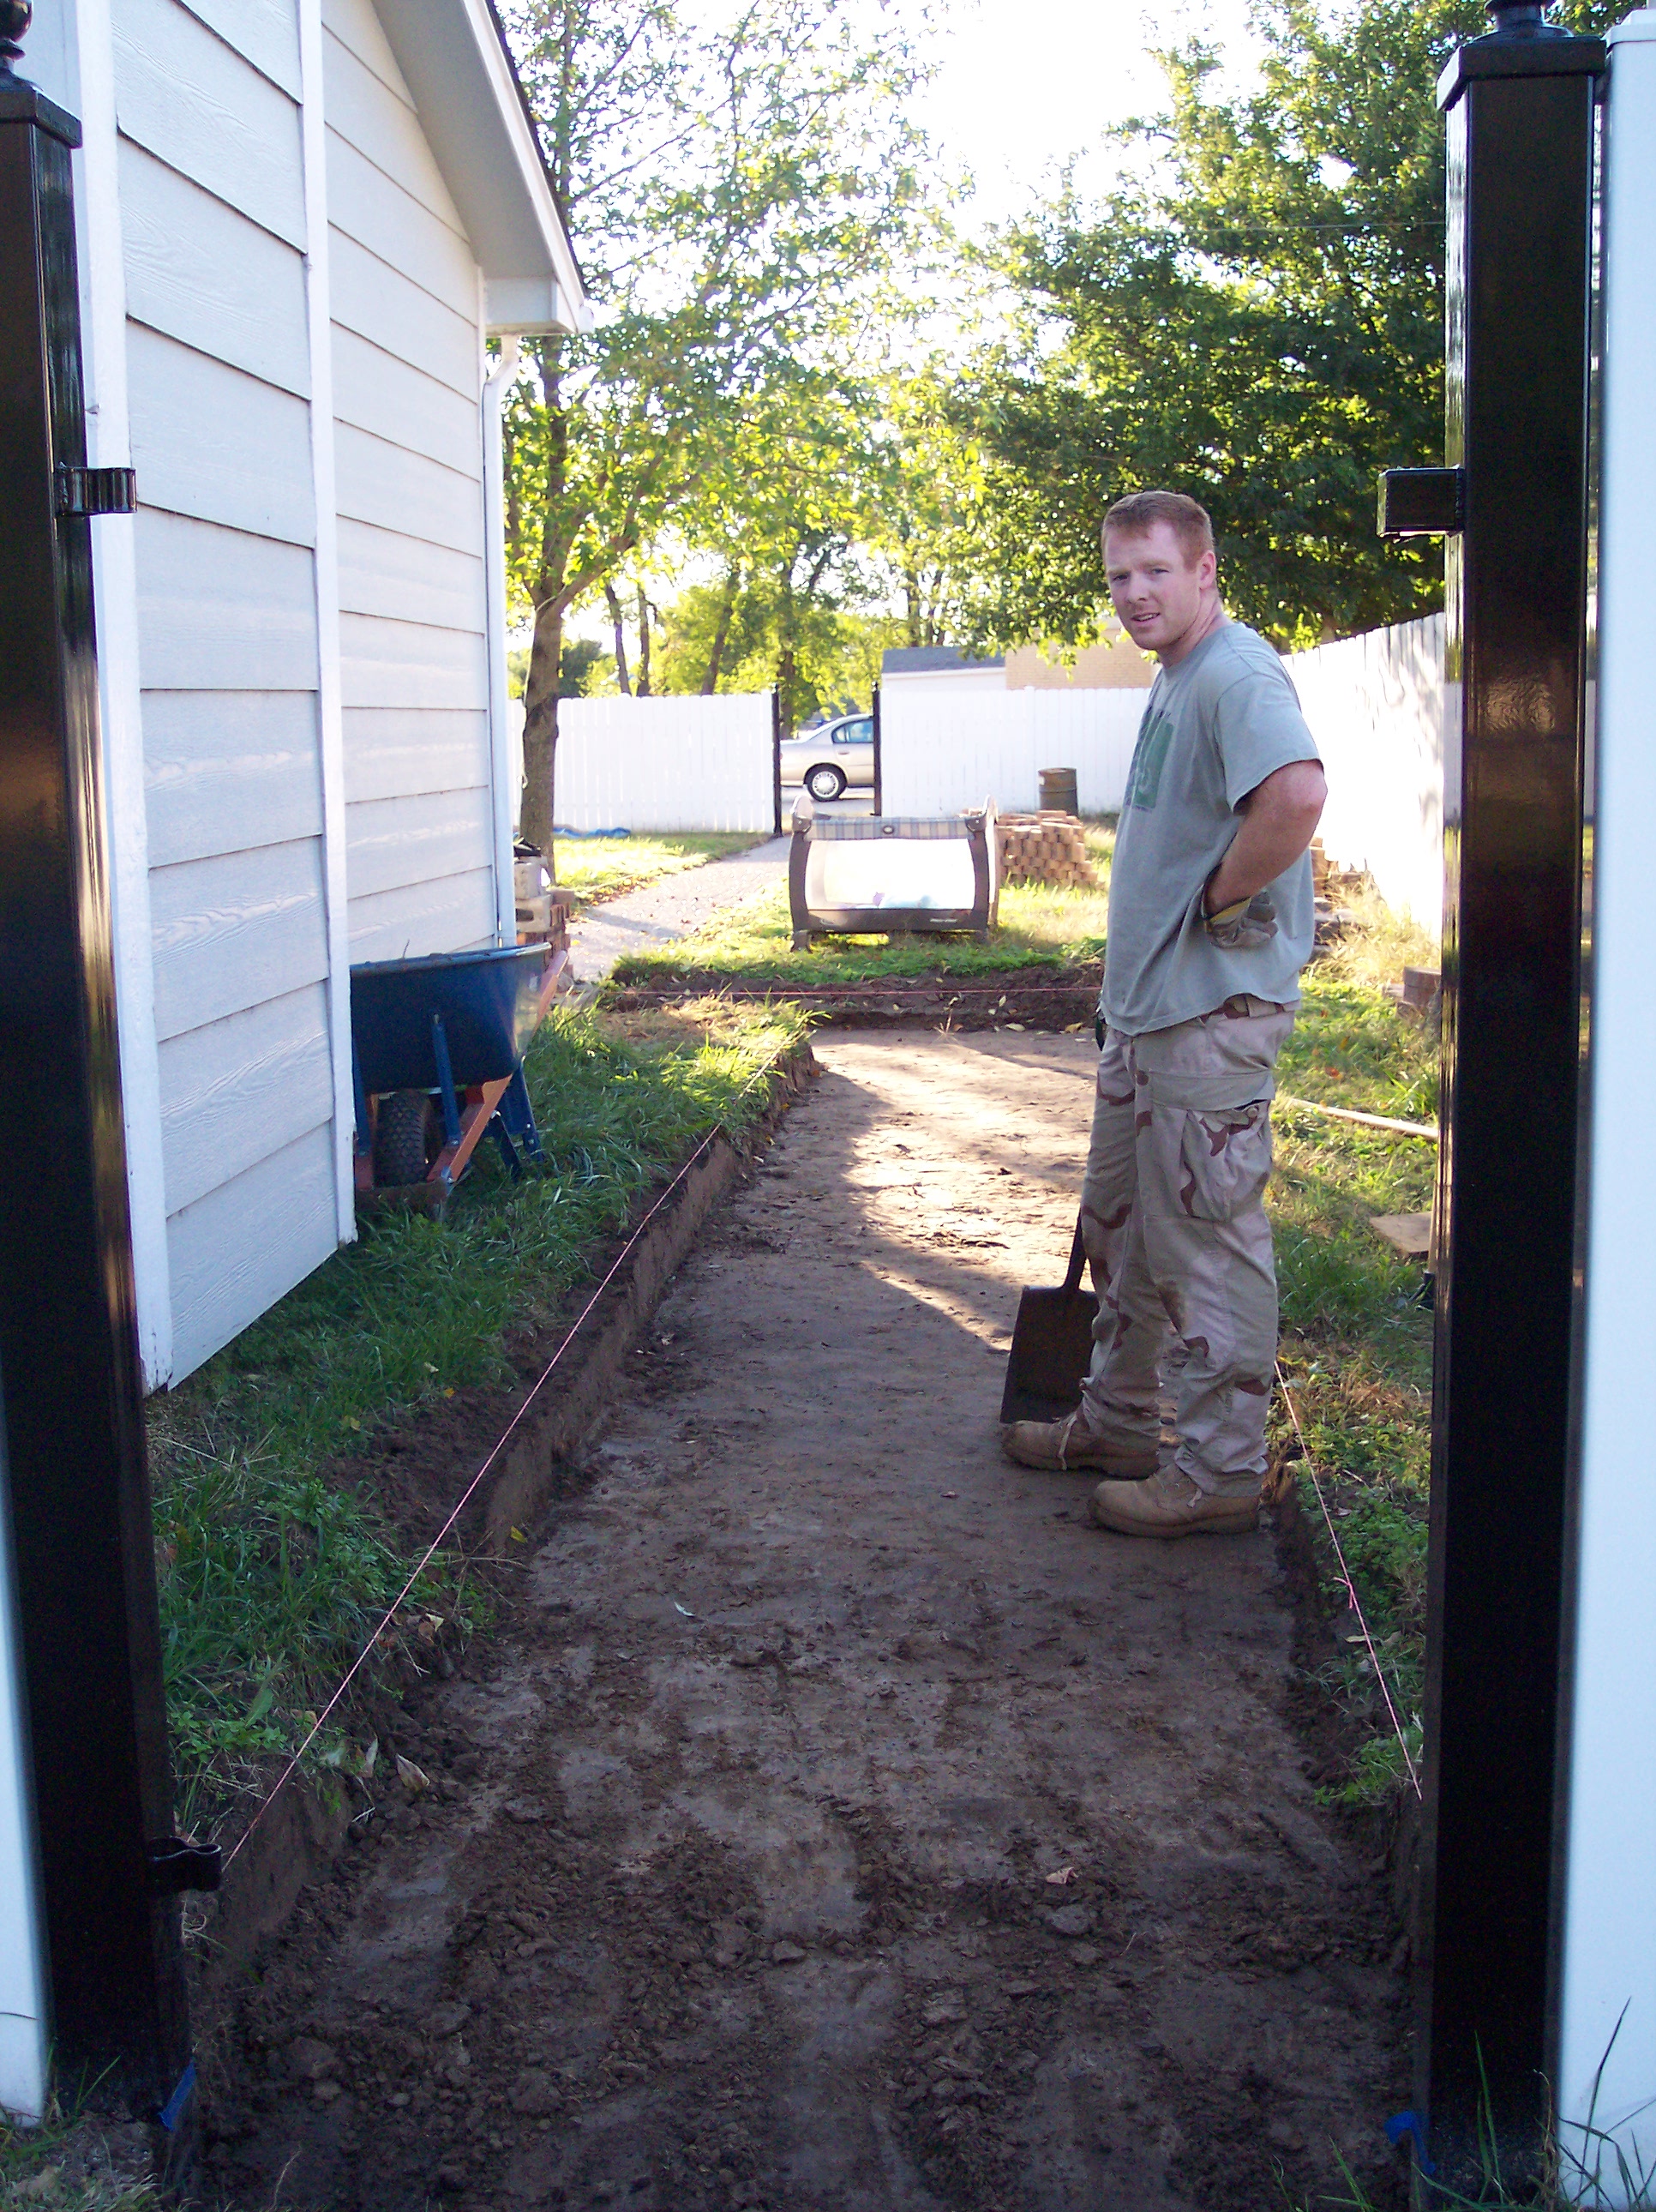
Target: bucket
x=1058, y=791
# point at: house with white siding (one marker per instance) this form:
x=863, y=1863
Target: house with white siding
x=301, y=222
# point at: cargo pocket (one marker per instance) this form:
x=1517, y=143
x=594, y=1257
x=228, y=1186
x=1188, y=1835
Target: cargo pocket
x=1224, y=1159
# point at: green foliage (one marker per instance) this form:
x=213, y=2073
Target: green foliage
x=1254, y=316
x=736, y=192
x=273, y=1566
x=1356, y=1342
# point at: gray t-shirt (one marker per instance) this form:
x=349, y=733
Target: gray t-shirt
x=1214, y=727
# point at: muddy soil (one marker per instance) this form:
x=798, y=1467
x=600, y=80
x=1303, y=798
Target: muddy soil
x=841, y=1822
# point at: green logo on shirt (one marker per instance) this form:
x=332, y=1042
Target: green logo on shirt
x=1148, y=758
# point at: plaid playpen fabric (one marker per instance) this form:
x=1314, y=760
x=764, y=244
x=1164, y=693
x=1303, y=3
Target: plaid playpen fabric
x=861, y=827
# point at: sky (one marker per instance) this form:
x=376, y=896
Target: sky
x=1025, y=84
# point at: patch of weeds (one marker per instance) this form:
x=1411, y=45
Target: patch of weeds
x=1356, y=1341
x=273, y=1568
x=599, y=868
x=72, y=2163
x=1583, y=2169
x=1042, y=925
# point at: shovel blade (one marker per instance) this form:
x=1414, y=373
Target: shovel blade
x=1052, y=1349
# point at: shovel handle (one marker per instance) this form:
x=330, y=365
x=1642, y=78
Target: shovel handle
x=1077, y=1260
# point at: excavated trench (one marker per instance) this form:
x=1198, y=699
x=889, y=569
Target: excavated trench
x=838, y=1819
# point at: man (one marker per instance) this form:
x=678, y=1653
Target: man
x=1210, y=923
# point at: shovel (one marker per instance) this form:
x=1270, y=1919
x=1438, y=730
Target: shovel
x=1051, y=1347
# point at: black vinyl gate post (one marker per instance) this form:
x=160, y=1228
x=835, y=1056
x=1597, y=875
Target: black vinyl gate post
x=879, y=756
x=75, y=1477
x=1520, y=122
x=776, y=763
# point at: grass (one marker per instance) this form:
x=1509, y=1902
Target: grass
x=68, y=2165
x=273, y=1571
x=599, y=868
x=1040, y=927
x=1356, y=1342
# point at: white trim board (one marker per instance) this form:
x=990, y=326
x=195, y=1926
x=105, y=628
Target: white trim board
x=330, y=695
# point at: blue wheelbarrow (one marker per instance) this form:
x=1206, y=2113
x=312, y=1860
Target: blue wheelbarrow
x=437, y=1048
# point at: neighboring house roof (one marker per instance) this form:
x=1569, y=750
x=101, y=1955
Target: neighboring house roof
x=929, y=660
x=454, y=60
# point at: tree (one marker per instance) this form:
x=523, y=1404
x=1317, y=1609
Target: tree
x=735, y=195
x=930, y=524
x=1258, y=321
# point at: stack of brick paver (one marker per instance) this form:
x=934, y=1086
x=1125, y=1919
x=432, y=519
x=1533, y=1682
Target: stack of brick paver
x=1044, y=849
x=543, y=906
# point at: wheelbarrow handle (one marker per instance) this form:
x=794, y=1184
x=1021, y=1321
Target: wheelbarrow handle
x=1077, y=1260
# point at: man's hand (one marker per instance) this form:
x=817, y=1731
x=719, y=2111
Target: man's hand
x=1279, y=820
x=1246, y=925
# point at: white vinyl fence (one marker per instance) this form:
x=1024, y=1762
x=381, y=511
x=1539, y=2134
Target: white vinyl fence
x=945, y=751
x=1375, y=708
x=672, y=764
x=1374, y=704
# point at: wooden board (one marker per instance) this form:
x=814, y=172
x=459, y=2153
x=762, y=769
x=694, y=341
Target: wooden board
x=225, y=771
x=264, y=32
x=395, y=752
x=235, y=1252
x=413, y=664
x=407, y=578
x=221, y=610
x=356, y=25
x=386, y=484
x=210, y=278
x=364, y=111
x=382, y=304
x=229, y=933
x=376, y=391
x=456, y=915
x=211, y=441
x=1410, y=1234
x=397, y=227
x=192, y=100
x=239, y=1089
x=394, y=843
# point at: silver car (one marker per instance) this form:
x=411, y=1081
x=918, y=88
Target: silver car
x=828, y=760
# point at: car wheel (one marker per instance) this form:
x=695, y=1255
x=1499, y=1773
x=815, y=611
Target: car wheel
x=825, y=783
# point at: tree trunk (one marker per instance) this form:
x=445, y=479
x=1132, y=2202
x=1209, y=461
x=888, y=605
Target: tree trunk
x=614, y=606
x=721, y=635
x=786, y=666
x=912, y=602
x=541, y=727
x=643, y=645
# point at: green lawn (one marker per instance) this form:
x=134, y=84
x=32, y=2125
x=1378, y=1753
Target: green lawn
x=1356, y=1342
x=272, y=1569
x=599, y=868
x=1040, y=927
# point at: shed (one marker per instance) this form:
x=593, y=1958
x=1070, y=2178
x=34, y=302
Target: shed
x=300, y=221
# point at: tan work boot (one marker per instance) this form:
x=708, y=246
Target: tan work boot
x=1171, y=1504
x=1073, y=1446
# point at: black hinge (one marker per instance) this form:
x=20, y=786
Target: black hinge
x=96, y=491
x=1422, y=502
x=177, y=1865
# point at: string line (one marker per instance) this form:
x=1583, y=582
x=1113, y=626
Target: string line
x=501, y=1444
x=1354, y=1603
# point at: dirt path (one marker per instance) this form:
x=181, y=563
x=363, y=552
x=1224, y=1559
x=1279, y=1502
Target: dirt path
x=734, y=1890
x=657, y=912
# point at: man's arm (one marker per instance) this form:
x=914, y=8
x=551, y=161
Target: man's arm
x=1279, y=820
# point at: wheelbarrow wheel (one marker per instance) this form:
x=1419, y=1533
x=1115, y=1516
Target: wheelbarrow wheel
x=407, y=1138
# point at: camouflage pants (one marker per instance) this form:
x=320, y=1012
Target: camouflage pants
x=1173, y=1219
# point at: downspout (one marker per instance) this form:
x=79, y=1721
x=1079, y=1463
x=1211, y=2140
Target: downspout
x=505, y=782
